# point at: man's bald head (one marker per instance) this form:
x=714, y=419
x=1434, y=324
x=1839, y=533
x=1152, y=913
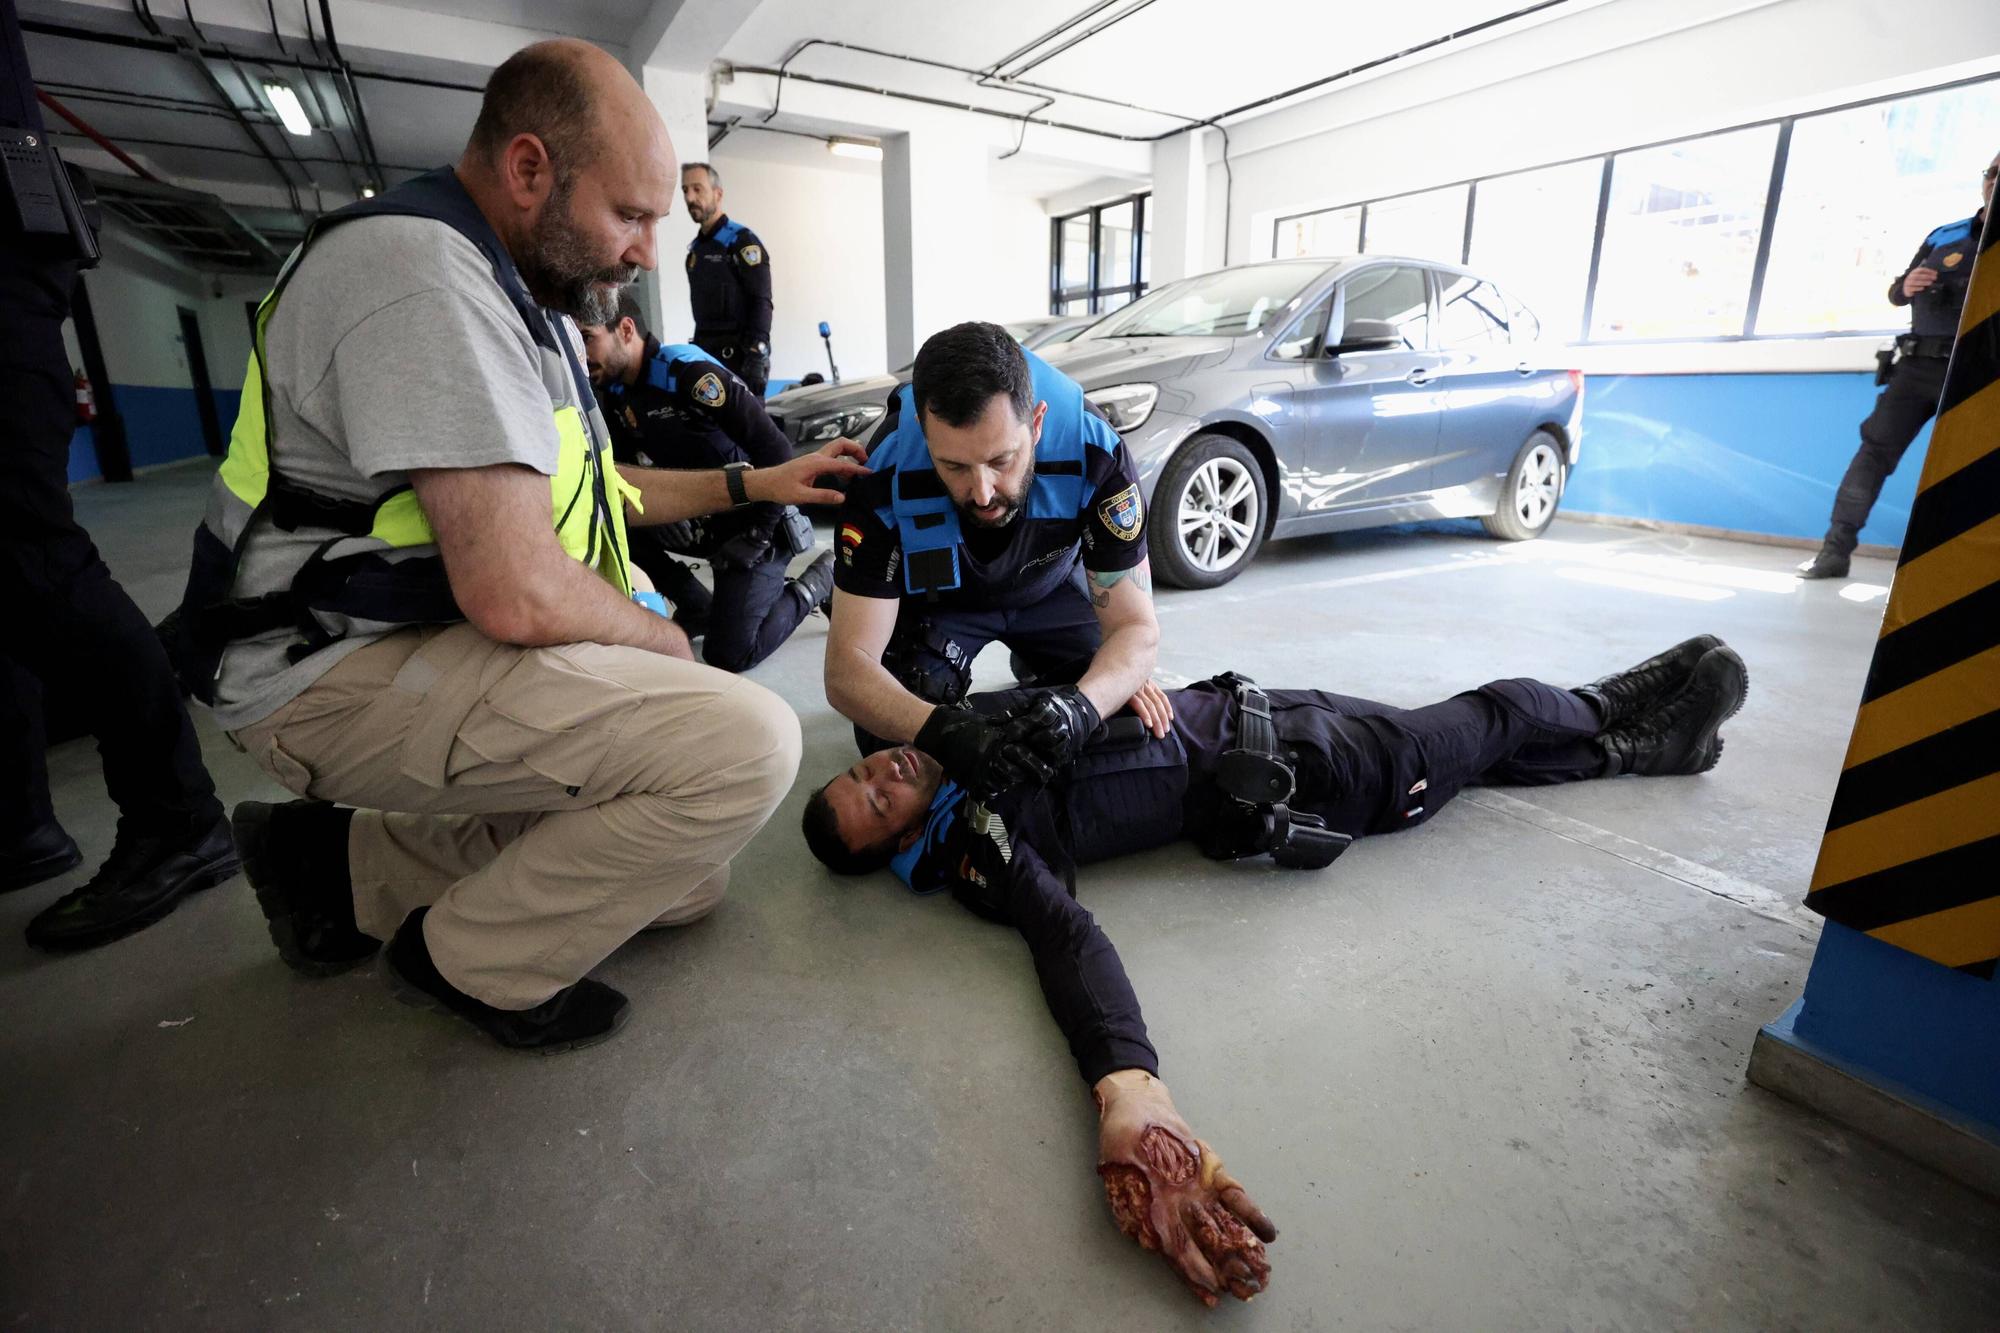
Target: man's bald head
x=572, y=165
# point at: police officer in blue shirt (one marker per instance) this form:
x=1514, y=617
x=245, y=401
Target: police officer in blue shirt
x=678, y=407
x=729, y=281
x=997, y=497
x=1934, y=287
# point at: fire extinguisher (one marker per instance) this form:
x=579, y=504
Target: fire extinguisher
x=86, y=402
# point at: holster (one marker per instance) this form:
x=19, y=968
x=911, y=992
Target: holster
x=1257, y=782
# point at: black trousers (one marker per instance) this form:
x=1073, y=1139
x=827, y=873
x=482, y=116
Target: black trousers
x=1367, y=767
x=68, y=630
x=1901, y=409
x=743, y=620
x=931, y=652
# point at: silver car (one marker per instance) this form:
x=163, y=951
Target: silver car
x=812, y=414
x=1302, y=396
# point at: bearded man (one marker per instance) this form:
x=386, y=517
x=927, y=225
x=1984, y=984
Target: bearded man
x=411, y=592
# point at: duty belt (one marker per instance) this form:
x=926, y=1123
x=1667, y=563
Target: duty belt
x=1257, y=778
x=1930, y=344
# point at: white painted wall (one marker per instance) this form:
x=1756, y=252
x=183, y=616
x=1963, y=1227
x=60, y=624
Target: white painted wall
x=823, y=227
x=136, y=299
x=1612, y=76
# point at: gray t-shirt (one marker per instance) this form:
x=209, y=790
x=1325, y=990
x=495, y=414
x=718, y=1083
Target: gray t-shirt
x=392, y=348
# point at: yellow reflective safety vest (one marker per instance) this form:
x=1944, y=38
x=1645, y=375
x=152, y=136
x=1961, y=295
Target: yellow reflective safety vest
x=374, y=566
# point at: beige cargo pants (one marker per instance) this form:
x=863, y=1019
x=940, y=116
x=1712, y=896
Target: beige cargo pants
x=545, y=803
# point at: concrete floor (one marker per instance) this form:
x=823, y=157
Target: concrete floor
x=1487, y=1075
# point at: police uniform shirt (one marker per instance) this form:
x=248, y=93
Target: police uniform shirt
x=729, y=287
x=688, y=410
x=997, y=563
x=1934, y=312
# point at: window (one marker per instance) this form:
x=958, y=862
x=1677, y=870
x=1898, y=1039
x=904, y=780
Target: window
x=1533, y=231
x=1430, y=225
x=1862, y=187
x=1789, y=228
x=1337, y=231
x=1472, y=313
x=1227, y=303
x=1306, y=340
x=1100, y=257
x=1392, y=294
x=1680, y=237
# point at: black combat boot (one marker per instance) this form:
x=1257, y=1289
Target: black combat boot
x=44, y=853
x=295, y=857
x=1682, y=735
x=143, y=879
x=1636, y=691
x=576, y=1016
x=1828, y=564
x=815, y=584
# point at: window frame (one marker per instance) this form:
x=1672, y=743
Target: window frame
x=1096, y=288
x=1774, y=194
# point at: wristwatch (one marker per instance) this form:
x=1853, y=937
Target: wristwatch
x=732, y=476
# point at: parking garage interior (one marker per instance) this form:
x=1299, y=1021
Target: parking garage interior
x=1452, y=343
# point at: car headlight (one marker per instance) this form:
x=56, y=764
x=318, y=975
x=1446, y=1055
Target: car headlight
x=838, y=425
x=1125, y=406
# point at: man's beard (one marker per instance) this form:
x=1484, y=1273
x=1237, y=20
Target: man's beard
x=561, y=271
x=1013, y=503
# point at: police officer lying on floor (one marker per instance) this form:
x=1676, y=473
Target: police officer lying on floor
x=996, y=494
x=678, y=407
x=1295, y=773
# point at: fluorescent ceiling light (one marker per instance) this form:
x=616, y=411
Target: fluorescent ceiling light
x=861, y=148
x=286, y=103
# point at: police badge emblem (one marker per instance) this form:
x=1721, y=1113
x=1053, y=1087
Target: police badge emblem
x=1123, y=514
x=1953, y=259
x=690, y=261
x=708, y=390
x=753, y=255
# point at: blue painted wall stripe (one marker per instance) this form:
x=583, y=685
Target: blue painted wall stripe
x=161, y=426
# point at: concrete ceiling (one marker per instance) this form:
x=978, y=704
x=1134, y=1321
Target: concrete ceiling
x=419, y=66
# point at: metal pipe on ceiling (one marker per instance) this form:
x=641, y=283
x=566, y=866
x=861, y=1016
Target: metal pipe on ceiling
x=85, y=128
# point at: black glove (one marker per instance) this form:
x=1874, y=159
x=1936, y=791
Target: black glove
x=1053, y=727
x=973, y=750
x=755, y=371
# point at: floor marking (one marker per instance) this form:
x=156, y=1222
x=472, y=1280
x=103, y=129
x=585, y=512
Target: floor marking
x=1764, y=902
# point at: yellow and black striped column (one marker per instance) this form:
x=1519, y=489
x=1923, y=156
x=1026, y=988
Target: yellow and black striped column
x=1912, y=848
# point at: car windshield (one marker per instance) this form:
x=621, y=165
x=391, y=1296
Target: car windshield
x=1228, y=304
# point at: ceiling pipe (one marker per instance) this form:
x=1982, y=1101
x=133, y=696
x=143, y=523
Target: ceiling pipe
x=90, y=132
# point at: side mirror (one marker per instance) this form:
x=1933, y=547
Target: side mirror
x=1368, y=335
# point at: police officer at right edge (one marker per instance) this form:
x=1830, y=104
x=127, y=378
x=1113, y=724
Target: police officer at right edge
x=1934, y=288
x=729, y=282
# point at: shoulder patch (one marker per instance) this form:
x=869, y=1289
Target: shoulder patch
x=1953, y=259
x=708, y=390
x=690, y=259
x=1123, y=514
x=751, y=255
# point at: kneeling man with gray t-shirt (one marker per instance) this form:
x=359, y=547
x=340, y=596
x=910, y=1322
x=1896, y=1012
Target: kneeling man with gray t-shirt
x=410, y=593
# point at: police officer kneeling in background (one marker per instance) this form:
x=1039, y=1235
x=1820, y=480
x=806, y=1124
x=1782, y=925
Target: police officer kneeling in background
x=678, y=407
x=729, y=281
x=1934, y=288
x=995, y=494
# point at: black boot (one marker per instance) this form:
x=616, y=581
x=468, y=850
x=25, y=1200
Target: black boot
x=576, y=1016
x=815, y=584
x=140, y=882
x=1636, y=691
x=45, y=853
x=1683, y=735
x=295, y=857
x=1828, y=564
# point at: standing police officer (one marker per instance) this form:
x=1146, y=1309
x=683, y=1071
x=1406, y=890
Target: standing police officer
x=995, y=494
x=1934, y=288
x=729, y=282
x=678, y=407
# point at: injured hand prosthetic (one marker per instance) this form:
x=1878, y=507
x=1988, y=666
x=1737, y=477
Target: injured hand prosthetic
x=1169, y=1191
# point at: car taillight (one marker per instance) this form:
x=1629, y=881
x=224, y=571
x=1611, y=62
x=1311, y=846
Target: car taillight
x=1576, y=382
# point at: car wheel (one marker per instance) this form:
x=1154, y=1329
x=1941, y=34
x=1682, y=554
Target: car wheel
x=1208, y=513
x=1532, y=491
